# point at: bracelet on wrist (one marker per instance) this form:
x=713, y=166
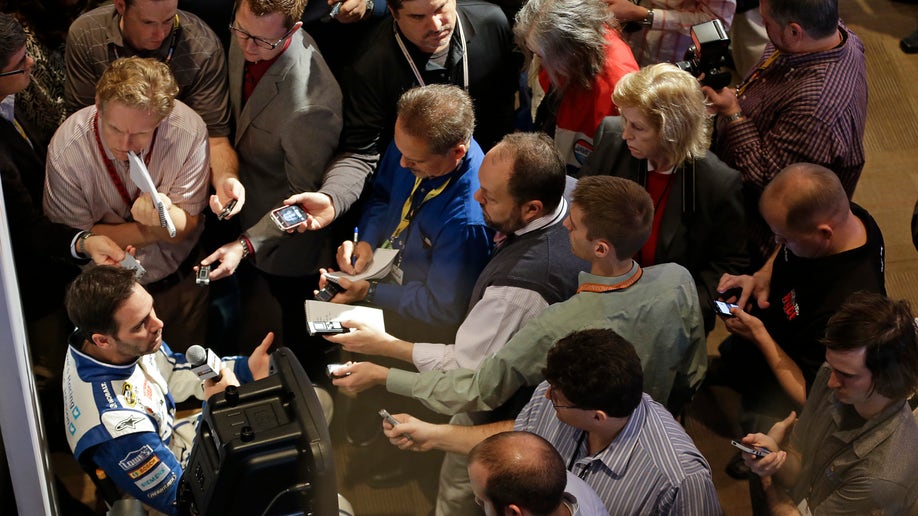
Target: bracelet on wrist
x=246, y=246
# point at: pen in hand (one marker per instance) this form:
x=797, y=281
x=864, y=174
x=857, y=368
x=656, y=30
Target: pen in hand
x=354, y=252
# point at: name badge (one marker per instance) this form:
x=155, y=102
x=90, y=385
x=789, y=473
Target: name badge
x=396, y=274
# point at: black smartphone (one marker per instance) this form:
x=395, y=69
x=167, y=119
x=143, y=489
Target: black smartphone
x=227, y=209
x=330, y=290
x=325, y=328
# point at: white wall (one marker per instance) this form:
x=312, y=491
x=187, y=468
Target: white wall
x=19, y=420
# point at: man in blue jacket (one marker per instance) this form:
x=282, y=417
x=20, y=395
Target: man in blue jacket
x=422, y=204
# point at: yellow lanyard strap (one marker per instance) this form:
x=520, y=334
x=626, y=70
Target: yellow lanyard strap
x=755, y=75
x=21, y=131
x=408, y=213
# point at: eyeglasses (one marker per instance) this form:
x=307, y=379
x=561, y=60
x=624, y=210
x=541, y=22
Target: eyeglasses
x=551, y=397
x=259, y=42
x=13, y=72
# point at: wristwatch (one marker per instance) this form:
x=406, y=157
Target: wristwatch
x=370, y=5
x=371, y=292
x=81, y=242
x=735, y=116
x=648, y=20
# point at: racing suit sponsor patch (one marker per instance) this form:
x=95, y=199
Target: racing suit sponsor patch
x=153, y=478
x=139, y=472
x=135, y=457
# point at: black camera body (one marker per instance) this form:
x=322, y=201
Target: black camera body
x=709, y=54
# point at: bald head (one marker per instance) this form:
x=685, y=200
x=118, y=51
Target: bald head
x=518, y=468
x=808, y=195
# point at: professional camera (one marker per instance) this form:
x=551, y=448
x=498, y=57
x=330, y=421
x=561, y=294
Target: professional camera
x=709, y=54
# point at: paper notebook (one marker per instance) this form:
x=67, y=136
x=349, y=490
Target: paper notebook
x=379, y=267
x=323, y=311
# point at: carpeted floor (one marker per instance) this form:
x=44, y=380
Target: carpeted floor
x=888, y=189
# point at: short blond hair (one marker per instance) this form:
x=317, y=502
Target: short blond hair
x=674, y=104
x=145, y=84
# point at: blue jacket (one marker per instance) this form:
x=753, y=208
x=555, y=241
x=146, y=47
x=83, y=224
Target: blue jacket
x=445, y=246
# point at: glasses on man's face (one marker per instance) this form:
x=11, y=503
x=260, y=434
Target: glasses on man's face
x=12, y=72
x=554, y=403
x=259, y=42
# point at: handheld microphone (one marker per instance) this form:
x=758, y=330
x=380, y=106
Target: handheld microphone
x=205, y=363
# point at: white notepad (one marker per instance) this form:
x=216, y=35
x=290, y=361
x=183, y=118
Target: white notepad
x=379, y=267
x=323, y=311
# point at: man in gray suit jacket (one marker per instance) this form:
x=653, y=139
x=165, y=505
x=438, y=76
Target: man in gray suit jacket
x=287, y=110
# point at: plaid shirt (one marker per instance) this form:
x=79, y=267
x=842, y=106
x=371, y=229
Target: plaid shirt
x=808, y=108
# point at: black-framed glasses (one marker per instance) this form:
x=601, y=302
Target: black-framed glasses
x=259, y=42
x=13, y=72
x=551, y=398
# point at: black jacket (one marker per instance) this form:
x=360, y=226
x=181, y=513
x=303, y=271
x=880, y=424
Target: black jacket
x=704, y=224
x=379, y=76
x=41, y=248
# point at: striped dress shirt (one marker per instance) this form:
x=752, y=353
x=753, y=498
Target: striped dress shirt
x=80, y=193
x=651, y=467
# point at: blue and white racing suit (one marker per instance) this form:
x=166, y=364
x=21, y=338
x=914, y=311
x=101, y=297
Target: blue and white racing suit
x=121, y=418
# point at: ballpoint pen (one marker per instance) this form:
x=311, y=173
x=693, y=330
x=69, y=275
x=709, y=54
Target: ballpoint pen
x=354, y=252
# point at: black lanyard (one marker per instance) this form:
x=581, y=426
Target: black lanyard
x=570, y=464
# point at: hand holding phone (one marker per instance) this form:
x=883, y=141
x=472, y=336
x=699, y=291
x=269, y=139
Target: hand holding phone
x=330, y=370
x=723, y=308
x=331, y=288
x=202, y=279
x=227, y=209
x=756, y=451
x=383, y=413
x=130, y=263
